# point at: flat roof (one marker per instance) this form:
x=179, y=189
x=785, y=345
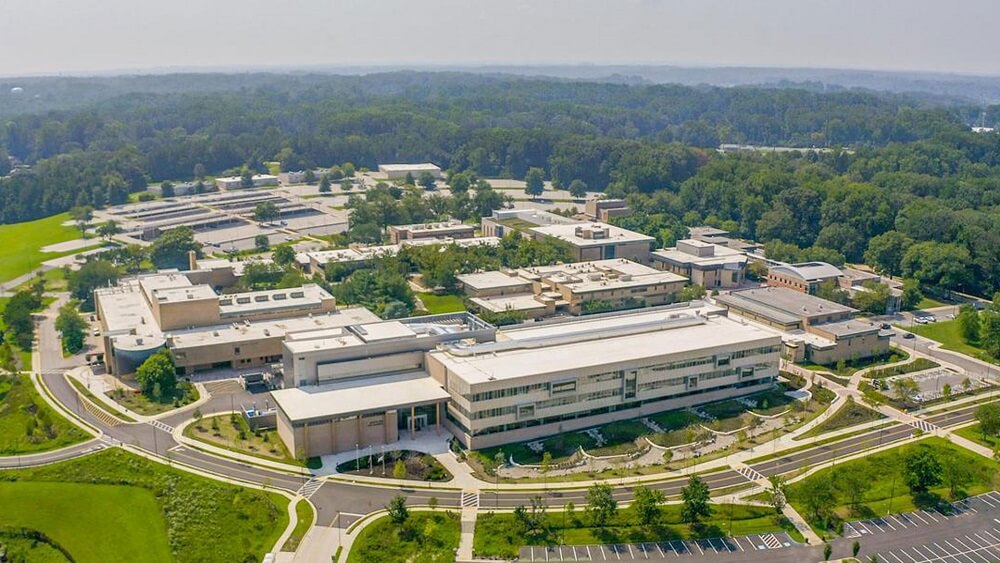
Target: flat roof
x=385, y=330
x=403, y=167
x=567, y=232
x=849, y=328
x=723, y=256
x=499, y=304
x=782, y=304
x=233, y=304
x=593, y=343
x=810, y=270
x=182, y=294
x=358, y=396
x=439, y=226
x=260, y=330
x=493, y=279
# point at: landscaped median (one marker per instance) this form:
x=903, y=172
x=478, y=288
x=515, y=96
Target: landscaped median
x=422, y=537
x=116, y=506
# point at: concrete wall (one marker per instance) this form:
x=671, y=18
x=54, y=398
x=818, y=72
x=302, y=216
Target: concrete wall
x=850, y=349
x=183, y=314
x=335, y=436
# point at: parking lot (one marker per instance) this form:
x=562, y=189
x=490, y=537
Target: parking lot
x=660, y=550
x=897, y=522
x=983, y=546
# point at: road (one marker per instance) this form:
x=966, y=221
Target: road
x=924, y=345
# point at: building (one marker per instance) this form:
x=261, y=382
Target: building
x=709, y=265
x=805, y=277
x=363, y=385
x=814, y=329
x=205, y=330
x=558, y=376
x=316, y=261
x=399, y=171
x=236, y=182
x=359, y=385
x=589, y=240
x=605, y=209
x=421, y=231
x=180, y=189
x=854, y=281
x=578, y=288
x=721, y=237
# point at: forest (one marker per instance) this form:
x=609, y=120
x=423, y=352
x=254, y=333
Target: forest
x=905, y=185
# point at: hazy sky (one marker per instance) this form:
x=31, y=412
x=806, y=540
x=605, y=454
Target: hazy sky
x=50, y=36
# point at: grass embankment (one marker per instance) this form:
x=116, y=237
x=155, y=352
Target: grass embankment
x=879, y=481
x=501, y=535
x=304, y=515
x=975, y=433
x=851, y=414
x=918, y=364
x=425, y=537
x=27, y=423
x=436, y=304
x=949, y=334
x=137, y=402
x=176, y=516
x=21, y=251
x=127, y=518
x=232, y=432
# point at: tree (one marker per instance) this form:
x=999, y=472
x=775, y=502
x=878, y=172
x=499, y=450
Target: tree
x=695, y=496
x=855, y=548
x=170, y=249
x=283, y=255
x=199, y=171
x=968, y=323
x=158, y=376
x=691, y=293
x=409, y=180
x=885, y=252
x=988, y=416
x=827, y=551
x=309, y=177
x=81, y=216
x=427, y=181
x=72, y=328
x=578, y=189
x=946, y=391
x=646, y=504
x=399, y=469
x=246, y=178
x=324, y=184
x=874, y=299
x=601, y=504
x=905, y=389
x=923, y=470
x=397, y=509
x=818, y=497
x=348, y=169
x=346, y=185
x=534, y=182
x=955, y=473
x=167, y=189
x=432, y=503
x=912, y=295
x=854, y=484
x=108, y=229
x=266, y=211
x=546, y=465
x=939, y=264
x=92, y=275
x=458, y=183
x=261, y=243
x=777, y=493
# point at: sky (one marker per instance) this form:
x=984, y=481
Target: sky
x=83, y=36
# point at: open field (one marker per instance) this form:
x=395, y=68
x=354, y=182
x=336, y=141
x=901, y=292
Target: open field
x=436, y=304
x=425, y=537
x=881, y=482
x=500, y=535
x=975, y=434
x=948, y=334
x=21, y=251
x=27, y=423
x=203, y=519
x=129, y=515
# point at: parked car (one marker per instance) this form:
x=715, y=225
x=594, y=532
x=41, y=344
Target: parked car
x=908, y=335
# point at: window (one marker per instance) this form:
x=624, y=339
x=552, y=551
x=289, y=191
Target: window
x=525, y=411
x=236, y=350
x=560, y=387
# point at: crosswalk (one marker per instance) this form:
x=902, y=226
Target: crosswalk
x=470, y=499
x=750, y=473
x=162, y=426
x=99, y=413
x=309, y=488
x=923, y=425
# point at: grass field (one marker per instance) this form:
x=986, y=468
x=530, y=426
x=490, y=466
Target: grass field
x=975, y=434
x=447, y=303
x=426, y=537
x=21, y=547
x=850, y=414
x=500, y=535
x=22, y=410
x=885, y=490
x=929, y=303
x=129, y=515
x=947, y=333
x=202, y=519
x=21, y=251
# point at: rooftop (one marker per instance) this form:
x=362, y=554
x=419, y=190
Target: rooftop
x=236, y=304
x=810, y=271
x=494, y=279
x=604, y=340
x=369, y=394
x=404, y=167
x=782, y=304
x=500, y=304
x=573, y=233
x=440, y=226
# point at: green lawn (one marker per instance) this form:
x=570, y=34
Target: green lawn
x=21, y=251
x=919, y=364
x=500, y=535
x=304, y=515
x=140, y=403
x=27, y=423
x=30, y=549
x=235, y=435
x=948, y=334
x=76, y=515
x=975, y=433
x=883, y=475
x=447, y=303
x=196, y=518
x=426, y=537
x=929, y=303
x=850, y=414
